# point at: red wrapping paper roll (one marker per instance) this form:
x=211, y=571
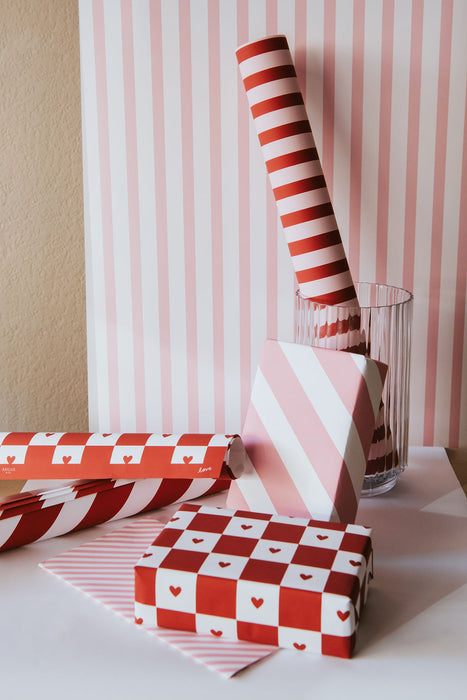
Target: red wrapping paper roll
x=38, y=515
x=119, y=455
x=295, y=171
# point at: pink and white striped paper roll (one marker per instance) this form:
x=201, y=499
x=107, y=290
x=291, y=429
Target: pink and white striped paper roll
x=308, y=431
x=40, y=515
x=295, y=171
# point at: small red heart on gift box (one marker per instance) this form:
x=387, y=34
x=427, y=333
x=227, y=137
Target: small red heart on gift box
x=305, y=577
x=257, y=602
x=139, y=620
x=127, y=458
x=197, y=540
x=175, y=590
x=216, y=633
x=322, y=537
x=148, y=554
x=106, y=434
x=49, y=434
x=354, y=563
x=10, y=460
x=66, y=460
x=343, y=615
x=300, y=647
x=274, y=550
x=173, y=519
x=187, y=460
x=246, y=527
x=223, y=564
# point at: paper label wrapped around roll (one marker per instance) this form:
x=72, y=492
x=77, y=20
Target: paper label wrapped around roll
x=119, y=455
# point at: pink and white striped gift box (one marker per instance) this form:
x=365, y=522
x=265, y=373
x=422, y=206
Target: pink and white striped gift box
x=308, y=431
x=295, y=171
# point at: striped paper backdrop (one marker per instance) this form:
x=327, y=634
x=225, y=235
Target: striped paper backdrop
x=187, y=267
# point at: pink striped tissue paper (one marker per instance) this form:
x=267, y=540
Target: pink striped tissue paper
x=104, y=570
x=308, y=431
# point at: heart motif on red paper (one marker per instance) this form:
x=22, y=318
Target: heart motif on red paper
x=216, y=633
x=172, y=520
x=257, y=602
x=298, y=646
x=106, y=434
x=322, y=537
x=274, y=550
x=223, y=564
x=197, y=540
x=187, y=459
x=148, y=554
x=139, y=620
x=306, y=577
x=127, y=458
x=343, y=615
x=354, y=563
x=175, y=590
x=246, y=527
x=66, y=460
x=49, y=434
x=10, y=459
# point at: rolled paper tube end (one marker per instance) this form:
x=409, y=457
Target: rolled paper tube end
x=235, y=457
x=274, y=42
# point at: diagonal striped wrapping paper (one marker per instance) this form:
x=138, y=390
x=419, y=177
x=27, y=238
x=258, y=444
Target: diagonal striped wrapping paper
x=295, y=172
x=119, y=455
x=41, y=514
x=104, y=570
x=308, y=431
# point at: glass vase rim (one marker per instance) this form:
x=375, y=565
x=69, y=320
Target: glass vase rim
x=408, y=298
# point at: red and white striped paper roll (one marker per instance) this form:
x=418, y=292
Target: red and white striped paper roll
x=40, y=515
x=295, y=171
x=119, y=455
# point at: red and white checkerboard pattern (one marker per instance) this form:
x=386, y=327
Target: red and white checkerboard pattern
x=118, y=455
x=288, y=582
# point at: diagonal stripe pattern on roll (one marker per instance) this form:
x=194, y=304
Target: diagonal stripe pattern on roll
x=295, y=172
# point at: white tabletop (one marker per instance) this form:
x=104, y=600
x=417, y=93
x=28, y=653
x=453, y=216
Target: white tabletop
x=412, y=642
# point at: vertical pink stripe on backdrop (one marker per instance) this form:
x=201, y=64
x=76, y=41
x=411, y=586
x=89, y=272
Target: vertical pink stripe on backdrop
x=387, y=49
x=459, y=303
x=439, y=181
x=107, y=219
x=273, y=231
x=161, y=213
x=133, y=212
x=329, y=73
x=189, y=215
x=356, y=137
x=216, y=214
x=244, y=218
x=413, y=131
x=300, y=45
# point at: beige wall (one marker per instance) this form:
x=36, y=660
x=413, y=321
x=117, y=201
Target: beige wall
x=42, y=293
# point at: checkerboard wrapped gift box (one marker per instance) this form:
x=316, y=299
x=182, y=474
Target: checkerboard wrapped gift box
x=289, y=582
